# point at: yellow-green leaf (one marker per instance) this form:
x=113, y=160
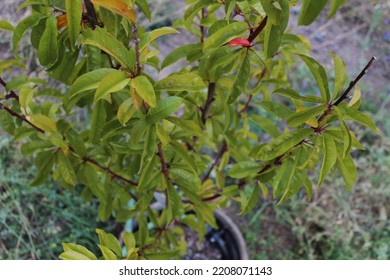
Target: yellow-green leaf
x=165, y=107
x=330, y=156
x=283, y=143
x=43, y=122
x=244, y=169
x=224, y=35
x=319, y=74
x=113, y=82
x=66, y=169
x=340, y=73
x=48, y=45
x=181, y=82
x=110, y=44
x=79, y=249
x=125, y=111
x=189, y=126
x=302, y=116
x=145, y=90
x=73, y=14
x=310, y=10
x=5, y=25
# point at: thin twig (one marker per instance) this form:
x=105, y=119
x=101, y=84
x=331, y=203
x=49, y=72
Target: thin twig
x=209, y=102
x=347, y=91
x=137, y=52
x=164, y=166
x=221, y=152
x=111, y=172
x=202, y=29
x=20, y=117
x=11, y=94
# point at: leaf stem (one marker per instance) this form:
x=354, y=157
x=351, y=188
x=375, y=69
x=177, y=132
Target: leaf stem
x=137, y=51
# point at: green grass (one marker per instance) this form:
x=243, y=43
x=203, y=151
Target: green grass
x=35, y=221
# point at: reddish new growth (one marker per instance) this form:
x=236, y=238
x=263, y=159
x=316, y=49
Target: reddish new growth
x=239, y=42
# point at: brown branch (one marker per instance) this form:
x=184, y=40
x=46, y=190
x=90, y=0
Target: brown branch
x=164, y=166
x=91, y=14
x=245, y=109
x=221, y=152
x=11, y=94
x=253, y=35
x=111, y=172
x=20, y=117
x=209, y=102
x=202, y=29
x=137, y=51
x=347, y=91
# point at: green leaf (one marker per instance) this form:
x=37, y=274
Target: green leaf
x=347, y=138
x=240, y=80
x=180, y=82
x=310, y=10
x=23, y=27
x=88, y=81
x=145, y=178
x=189, y=126
x=98, y=120
x=44, y=169
x=174, y=202
x=108, y=43
x=165, y=107
x=276, y=109
x=144, y=6
x=319, y=74
x=357, y=116
x=79, y=249
x=73, y=14
x=193, y=10
x=107, y=253
x=330, y=156
x=156, y=33
x=252, y=201
x=266, y=124
x=184, y=154
x=185, y=179
x=275, y=10
x=129, y=240
x=283, y=143
x=144, y=88
x=125, y=111
x=5, y=25
x=301, y=117
x=340, y=75
x=112, y=82
x=224, y=35
x=273, y=35
x=244, y=169
x=109, y=240
x=76, y=142
x=43, y=122
x=149, y=146
x=292, y=94
x=334, y=6
x=177, y=54
x=347, y=167
x=48, y=45
x=66, y=169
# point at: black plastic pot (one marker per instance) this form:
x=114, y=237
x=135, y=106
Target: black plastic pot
x=224, y=243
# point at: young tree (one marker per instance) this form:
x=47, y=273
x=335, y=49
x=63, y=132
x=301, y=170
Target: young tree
x=188, y=138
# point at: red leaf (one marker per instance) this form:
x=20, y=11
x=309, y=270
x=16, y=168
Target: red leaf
x=239, y=42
